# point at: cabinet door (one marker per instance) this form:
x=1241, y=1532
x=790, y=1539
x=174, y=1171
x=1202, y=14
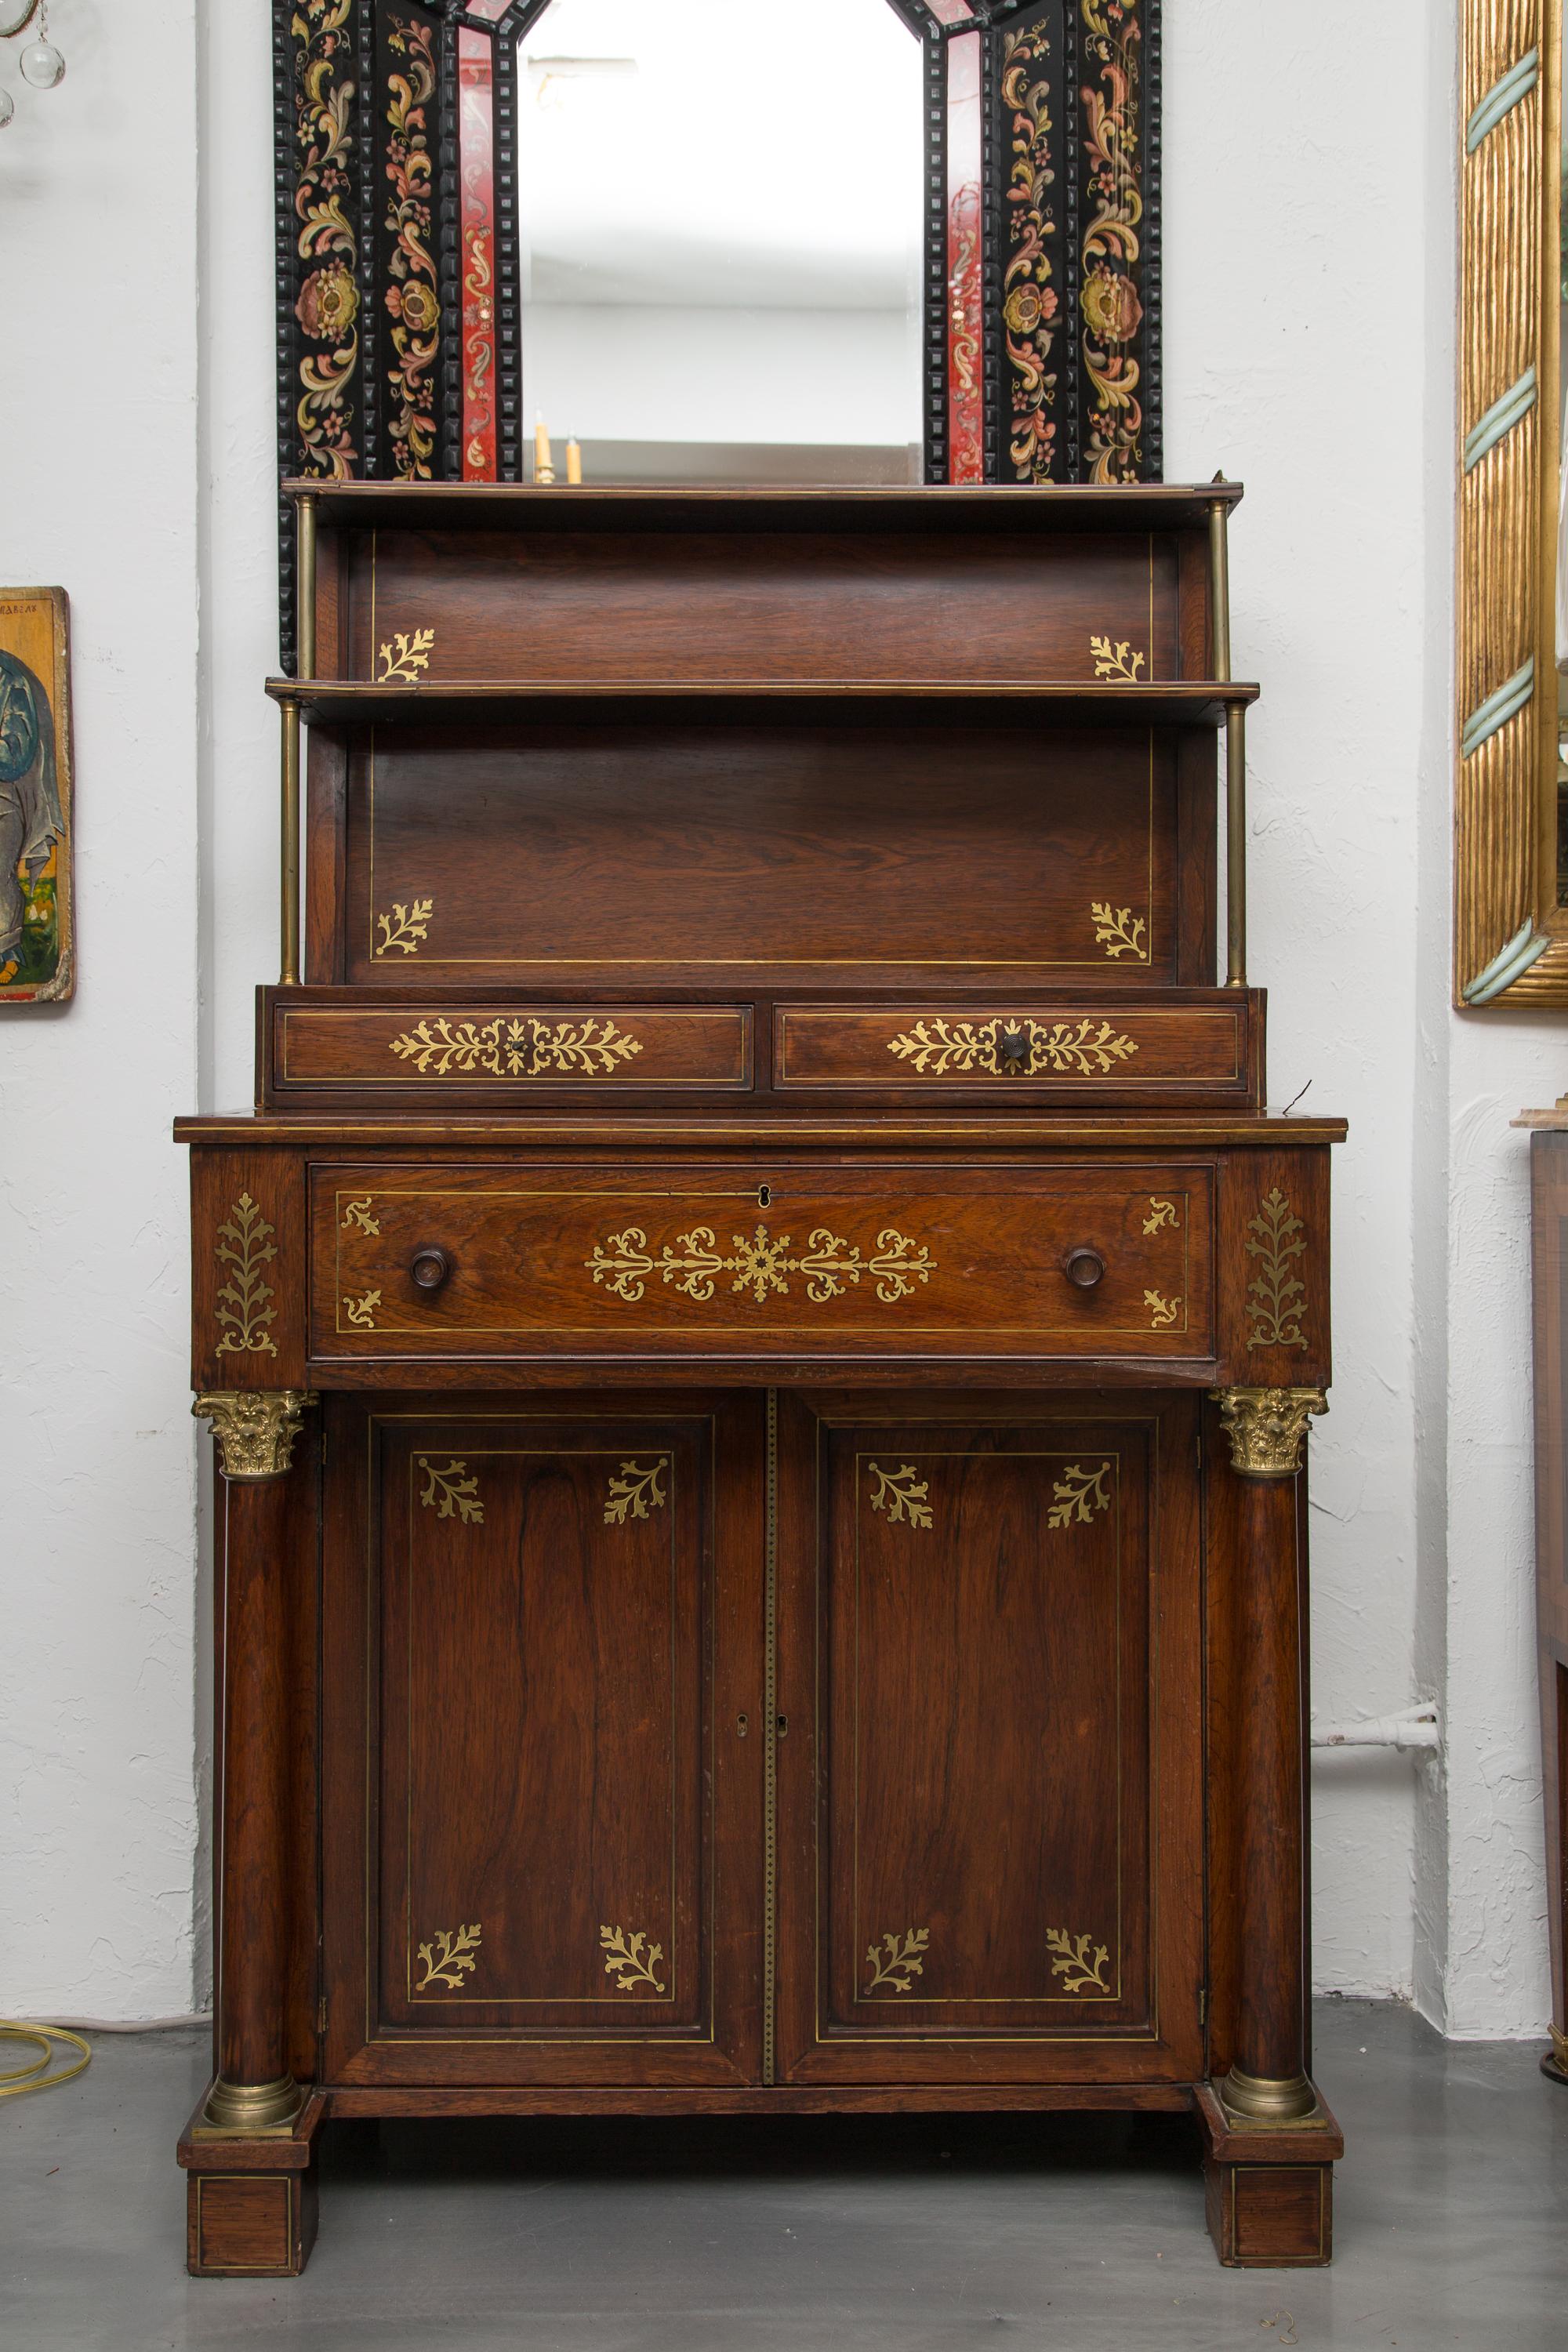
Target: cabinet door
x=543, y=1831
x=990, y=1835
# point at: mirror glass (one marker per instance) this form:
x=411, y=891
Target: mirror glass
x=720, y=211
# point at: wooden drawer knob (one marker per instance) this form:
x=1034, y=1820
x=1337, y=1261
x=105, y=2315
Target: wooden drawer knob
x=430, y=1268
x=1084, y=1268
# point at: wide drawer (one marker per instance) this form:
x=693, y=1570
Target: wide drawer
x=495, y=1051
x=720, y=1263
x=1060, y=1049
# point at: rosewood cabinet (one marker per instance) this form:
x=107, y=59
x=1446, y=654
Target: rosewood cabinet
x=760, y=1341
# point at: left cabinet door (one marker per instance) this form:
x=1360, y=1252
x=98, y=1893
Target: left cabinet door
x=544, y=1751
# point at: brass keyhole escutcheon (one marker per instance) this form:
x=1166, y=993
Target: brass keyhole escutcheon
x=1084, y=1268
x=430, y=1268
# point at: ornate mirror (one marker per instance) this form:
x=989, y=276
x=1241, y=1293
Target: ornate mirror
x=716, y=240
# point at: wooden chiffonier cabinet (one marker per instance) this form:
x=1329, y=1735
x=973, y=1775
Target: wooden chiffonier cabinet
x=760, y=1341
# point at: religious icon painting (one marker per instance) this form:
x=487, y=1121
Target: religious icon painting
x=37, y=960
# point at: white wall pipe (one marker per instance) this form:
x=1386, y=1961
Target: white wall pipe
x=1416, y=1727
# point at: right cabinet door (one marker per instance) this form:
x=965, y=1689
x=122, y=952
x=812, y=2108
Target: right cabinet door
x=988, y=1741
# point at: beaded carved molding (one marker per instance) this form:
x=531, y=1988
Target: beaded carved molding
x=1510, y=936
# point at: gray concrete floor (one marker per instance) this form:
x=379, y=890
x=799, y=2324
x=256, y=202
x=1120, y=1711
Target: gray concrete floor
x=903, y=2235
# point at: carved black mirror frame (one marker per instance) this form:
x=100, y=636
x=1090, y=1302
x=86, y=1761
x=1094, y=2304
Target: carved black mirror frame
x=399, y=329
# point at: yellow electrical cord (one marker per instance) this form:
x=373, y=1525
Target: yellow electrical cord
x=18, y=2080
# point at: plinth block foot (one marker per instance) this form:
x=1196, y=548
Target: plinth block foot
x=251, y=2204
x=1269, y=2187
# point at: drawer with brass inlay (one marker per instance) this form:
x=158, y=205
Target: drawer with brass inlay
x=488, y=1052
x=1203, y=1046
x=934, y=1263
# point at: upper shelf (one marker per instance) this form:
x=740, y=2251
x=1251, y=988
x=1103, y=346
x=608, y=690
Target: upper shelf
x=936, y=507
x=1191, y=702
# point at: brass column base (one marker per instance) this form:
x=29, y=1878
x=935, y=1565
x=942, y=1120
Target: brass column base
x=248, y=2110
x=1267, y=2102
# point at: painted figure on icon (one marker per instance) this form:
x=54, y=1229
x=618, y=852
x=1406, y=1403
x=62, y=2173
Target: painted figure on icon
x=31, y=823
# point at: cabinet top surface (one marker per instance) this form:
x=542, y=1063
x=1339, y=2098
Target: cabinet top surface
x=718, y=1133
x=1003, y=507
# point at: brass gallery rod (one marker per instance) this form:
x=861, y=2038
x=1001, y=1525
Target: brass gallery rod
x=304, y=668
x=1235, y=748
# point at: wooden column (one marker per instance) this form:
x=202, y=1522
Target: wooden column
x=254, y=2092
x=1267, y=2084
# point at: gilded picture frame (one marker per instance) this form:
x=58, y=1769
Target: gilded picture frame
x=1510, y=931
x=38, y=912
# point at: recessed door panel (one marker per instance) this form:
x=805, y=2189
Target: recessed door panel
x=549, y=1819
x=998, y=1879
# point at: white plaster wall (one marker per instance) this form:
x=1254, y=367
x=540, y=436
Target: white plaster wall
x=1309, y=351
x=98, y=403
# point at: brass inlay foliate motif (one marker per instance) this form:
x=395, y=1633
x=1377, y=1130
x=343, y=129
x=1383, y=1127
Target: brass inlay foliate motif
x=448, y=1958
x=761, y=1265
x=404, y=657
x=1080, y=1963
x=627, y=1961
x=357, y=1217
x=506, y=1048
x=1160, y=1213
x=899, y=1961
x=634, y=1493
x=1012, y=1048
x=245, y=1308
x=361, y=1312
x=1115, y=661
x=1162, y=1312
x=405, y=926
x=255, y=1429
x=1081, y=1496
x=1267, y=1427
x=1118, y=930
x=452, y=1493
x=1276, y=1297
x=901, y=1496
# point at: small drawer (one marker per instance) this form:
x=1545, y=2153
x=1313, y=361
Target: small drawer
x=929, y=1264
x=492, y=1052
x=1206, y=1049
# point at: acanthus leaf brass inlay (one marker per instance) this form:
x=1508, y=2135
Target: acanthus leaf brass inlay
x=1080, y=1494
x=634, y=1493
x=627, y=1961
x=520, y=1048
x=361, y=1312
x=1079, y=1962
x=760, y=1265
x=1115, y=661
x=405, y=926
x=1276, y=1297
x=357, y=1217
x=244, y=1308
x=405, y=655
x=1162, y=1312
x=1013, y=1047
x=1118, y=930
x=451, y=1493
x=901, y=1496
x=448, y=1958
x=898, y=1962
x=1160, y=1213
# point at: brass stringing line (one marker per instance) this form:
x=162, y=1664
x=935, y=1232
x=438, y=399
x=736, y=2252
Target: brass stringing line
x=769, y=1747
